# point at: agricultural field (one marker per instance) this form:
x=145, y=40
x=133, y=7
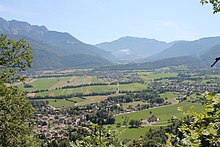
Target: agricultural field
x=132, y=87
x=59, y=103
x=132, y=104
x=149, y=76
x=168, y=95
x=161, y=75
x=124, y=96
x=53, y=83
x=75, y=101
x=53, y=87
x=77, y=80
x=164, y=113
x=90, y=100
x=131, y=133
x=84, y=90
x=43, y=83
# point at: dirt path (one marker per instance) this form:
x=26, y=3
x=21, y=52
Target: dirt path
x=31, y=94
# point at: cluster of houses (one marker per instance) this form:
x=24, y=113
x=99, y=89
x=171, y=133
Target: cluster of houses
x=118, y=76
x=186, y=88
x=52, y=124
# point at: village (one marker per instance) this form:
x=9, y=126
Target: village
x=52, y=123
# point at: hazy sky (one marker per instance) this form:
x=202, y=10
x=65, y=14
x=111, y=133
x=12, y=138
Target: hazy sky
x=95, y=21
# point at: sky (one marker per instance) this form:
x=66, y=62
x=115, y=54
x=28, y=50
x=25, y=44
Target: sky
x=96, y=21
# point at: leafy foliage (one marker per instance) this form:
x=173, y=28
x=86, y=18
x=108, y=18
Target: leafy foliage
x=134, y=123
x=15, y=56
x=15, y=109
x=99, y=137
x=215, y=4
x=203, y=130
x=14, y=117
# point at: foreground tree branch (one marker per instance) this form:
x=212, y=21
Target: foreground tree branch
x=15, y=109
x=216, y=60
x=215, y=4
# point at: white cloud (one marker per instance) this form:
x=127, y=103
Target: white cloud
x=125, y=51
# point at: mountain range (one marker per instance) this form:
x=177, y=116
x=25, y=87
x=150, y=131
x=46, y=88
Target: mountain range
x=141, y=50
x=183, y=54
x=194, y=48
x=60, y=50
x=53, y=49
x=134, y=48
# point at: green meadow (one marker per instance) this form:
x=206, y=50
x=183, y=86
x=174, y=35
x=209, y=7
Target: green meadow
x=132, y=87
x=91, y=99
x=53, y=83
x=164, y=113
x=133, y=133
x=168, y=95
x=133, y=104
x=84, y=90
x=42, y=83
x=75, y=101
x=161, y=75
x=58, y=103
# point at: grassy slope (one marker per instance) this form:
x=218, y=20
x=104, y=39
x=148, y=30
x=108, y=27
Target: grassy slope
x=133, y=133
x=164, y=113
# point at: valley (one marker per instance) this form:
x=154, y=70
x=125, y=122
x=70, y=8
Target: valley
x=109, y=73
x=131, y=89
x=78, y=98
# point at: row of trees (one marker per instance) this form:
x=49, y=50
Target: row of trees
x=71, y=95
x=152, y=97
x=83, y=85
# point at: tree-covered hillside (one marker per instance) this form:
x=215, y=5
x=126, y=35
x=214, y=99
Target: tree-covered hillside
x=50, y=48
